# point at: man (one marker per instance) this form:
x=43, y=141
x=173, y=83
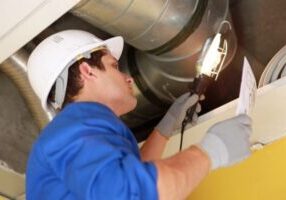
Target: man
x=86, y=152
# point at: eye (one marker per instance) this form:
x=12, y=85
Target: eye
x=115, y=65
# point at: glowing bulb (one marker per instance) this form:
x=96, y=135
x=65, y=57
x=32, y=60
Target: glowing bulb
x=212, y=57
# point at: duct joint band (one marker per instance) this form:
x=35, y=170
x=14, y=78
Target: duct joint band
x=186, y=31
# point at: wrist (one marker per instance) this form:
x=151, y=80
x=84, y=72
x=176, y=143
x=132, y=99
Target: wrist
x=203, y=153
x=166, y=125
x=165, y=137
x=215, y=149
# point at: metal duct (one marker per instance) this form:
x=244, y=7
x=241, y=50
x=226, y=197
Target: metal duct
x=15, y=68
x=168, y=37
x=157, y=26
x=146, y=25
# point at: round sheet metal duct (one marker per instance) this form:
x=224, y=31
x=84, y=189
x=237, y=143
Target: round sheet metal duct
x=157, y=26
x=146, y=25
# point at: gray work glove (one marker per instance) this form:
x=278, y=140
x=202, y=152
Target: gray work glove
x=227, y=142
x=176, y=113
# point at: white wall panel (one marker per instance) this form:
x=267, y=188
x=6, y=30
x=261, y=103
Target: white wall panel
x=23, y=20
x=269, y=118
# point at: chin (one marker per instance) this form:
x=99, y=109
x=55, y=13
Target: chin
x=129, y=106
x=134, y=103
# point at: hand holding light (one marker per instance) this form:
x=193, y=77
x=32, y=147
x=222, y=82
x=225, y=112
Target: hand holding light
x=209, y=66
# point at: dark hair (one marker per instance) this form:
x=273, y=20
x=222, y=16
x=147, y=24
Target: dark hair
x=74, y=84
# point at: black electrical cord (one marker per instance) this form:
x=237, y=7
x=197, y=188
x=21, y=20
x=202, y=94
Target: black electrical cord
x=198, y=87
x=186, y=120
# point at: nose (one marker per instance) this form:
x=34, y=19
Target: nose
x=129, y=79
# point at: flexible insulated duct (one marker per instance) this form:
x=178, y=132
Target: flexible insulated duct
x=168, y=37
x=275, y=69
x=15, y=68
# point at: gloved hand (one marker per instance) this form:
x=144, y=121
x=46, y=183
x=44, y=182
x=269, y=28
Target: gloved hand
x=176, y=113
x=227, y=142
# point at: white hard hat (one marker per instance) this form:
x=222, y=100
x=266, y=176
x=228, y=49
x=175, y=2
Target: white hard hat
x=49, y=62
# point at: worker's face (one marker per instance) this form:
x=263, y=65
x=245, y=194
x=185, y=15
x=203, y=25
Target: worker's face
x=116, y=86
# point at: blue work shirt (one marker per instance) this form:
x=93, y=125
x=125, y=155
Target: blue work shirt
x=87, y=153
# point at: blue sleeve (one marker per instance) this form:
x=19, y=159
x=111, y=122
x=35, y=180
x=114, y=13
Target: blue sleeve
x=104, y=167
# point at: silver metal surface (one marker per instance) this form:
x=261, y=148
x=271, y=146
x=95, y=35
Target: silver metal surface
x=144, y=24
x=169, y=74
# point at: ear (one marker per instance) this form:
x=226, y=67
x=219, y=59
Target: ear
x=86, y=71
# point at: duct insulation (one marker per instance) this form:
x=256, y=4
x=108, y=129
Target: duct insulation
x=15, y=67
x=275, y=69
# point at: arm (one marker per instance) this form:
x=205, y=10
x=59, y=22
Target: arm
x=180, y=174
x=224, y=144
x=154, y=146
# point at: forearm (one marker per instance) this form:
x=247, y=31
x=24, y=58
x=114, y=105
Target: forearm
x=180, y=174
x=153, y=147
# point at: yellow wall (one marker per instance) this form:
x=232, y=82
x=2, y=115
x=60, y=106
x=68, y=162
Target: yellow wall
x=260, y=177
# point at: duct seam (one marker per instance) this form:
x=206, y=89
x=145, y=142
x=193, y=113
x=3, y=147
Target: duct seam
x=186, y=31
